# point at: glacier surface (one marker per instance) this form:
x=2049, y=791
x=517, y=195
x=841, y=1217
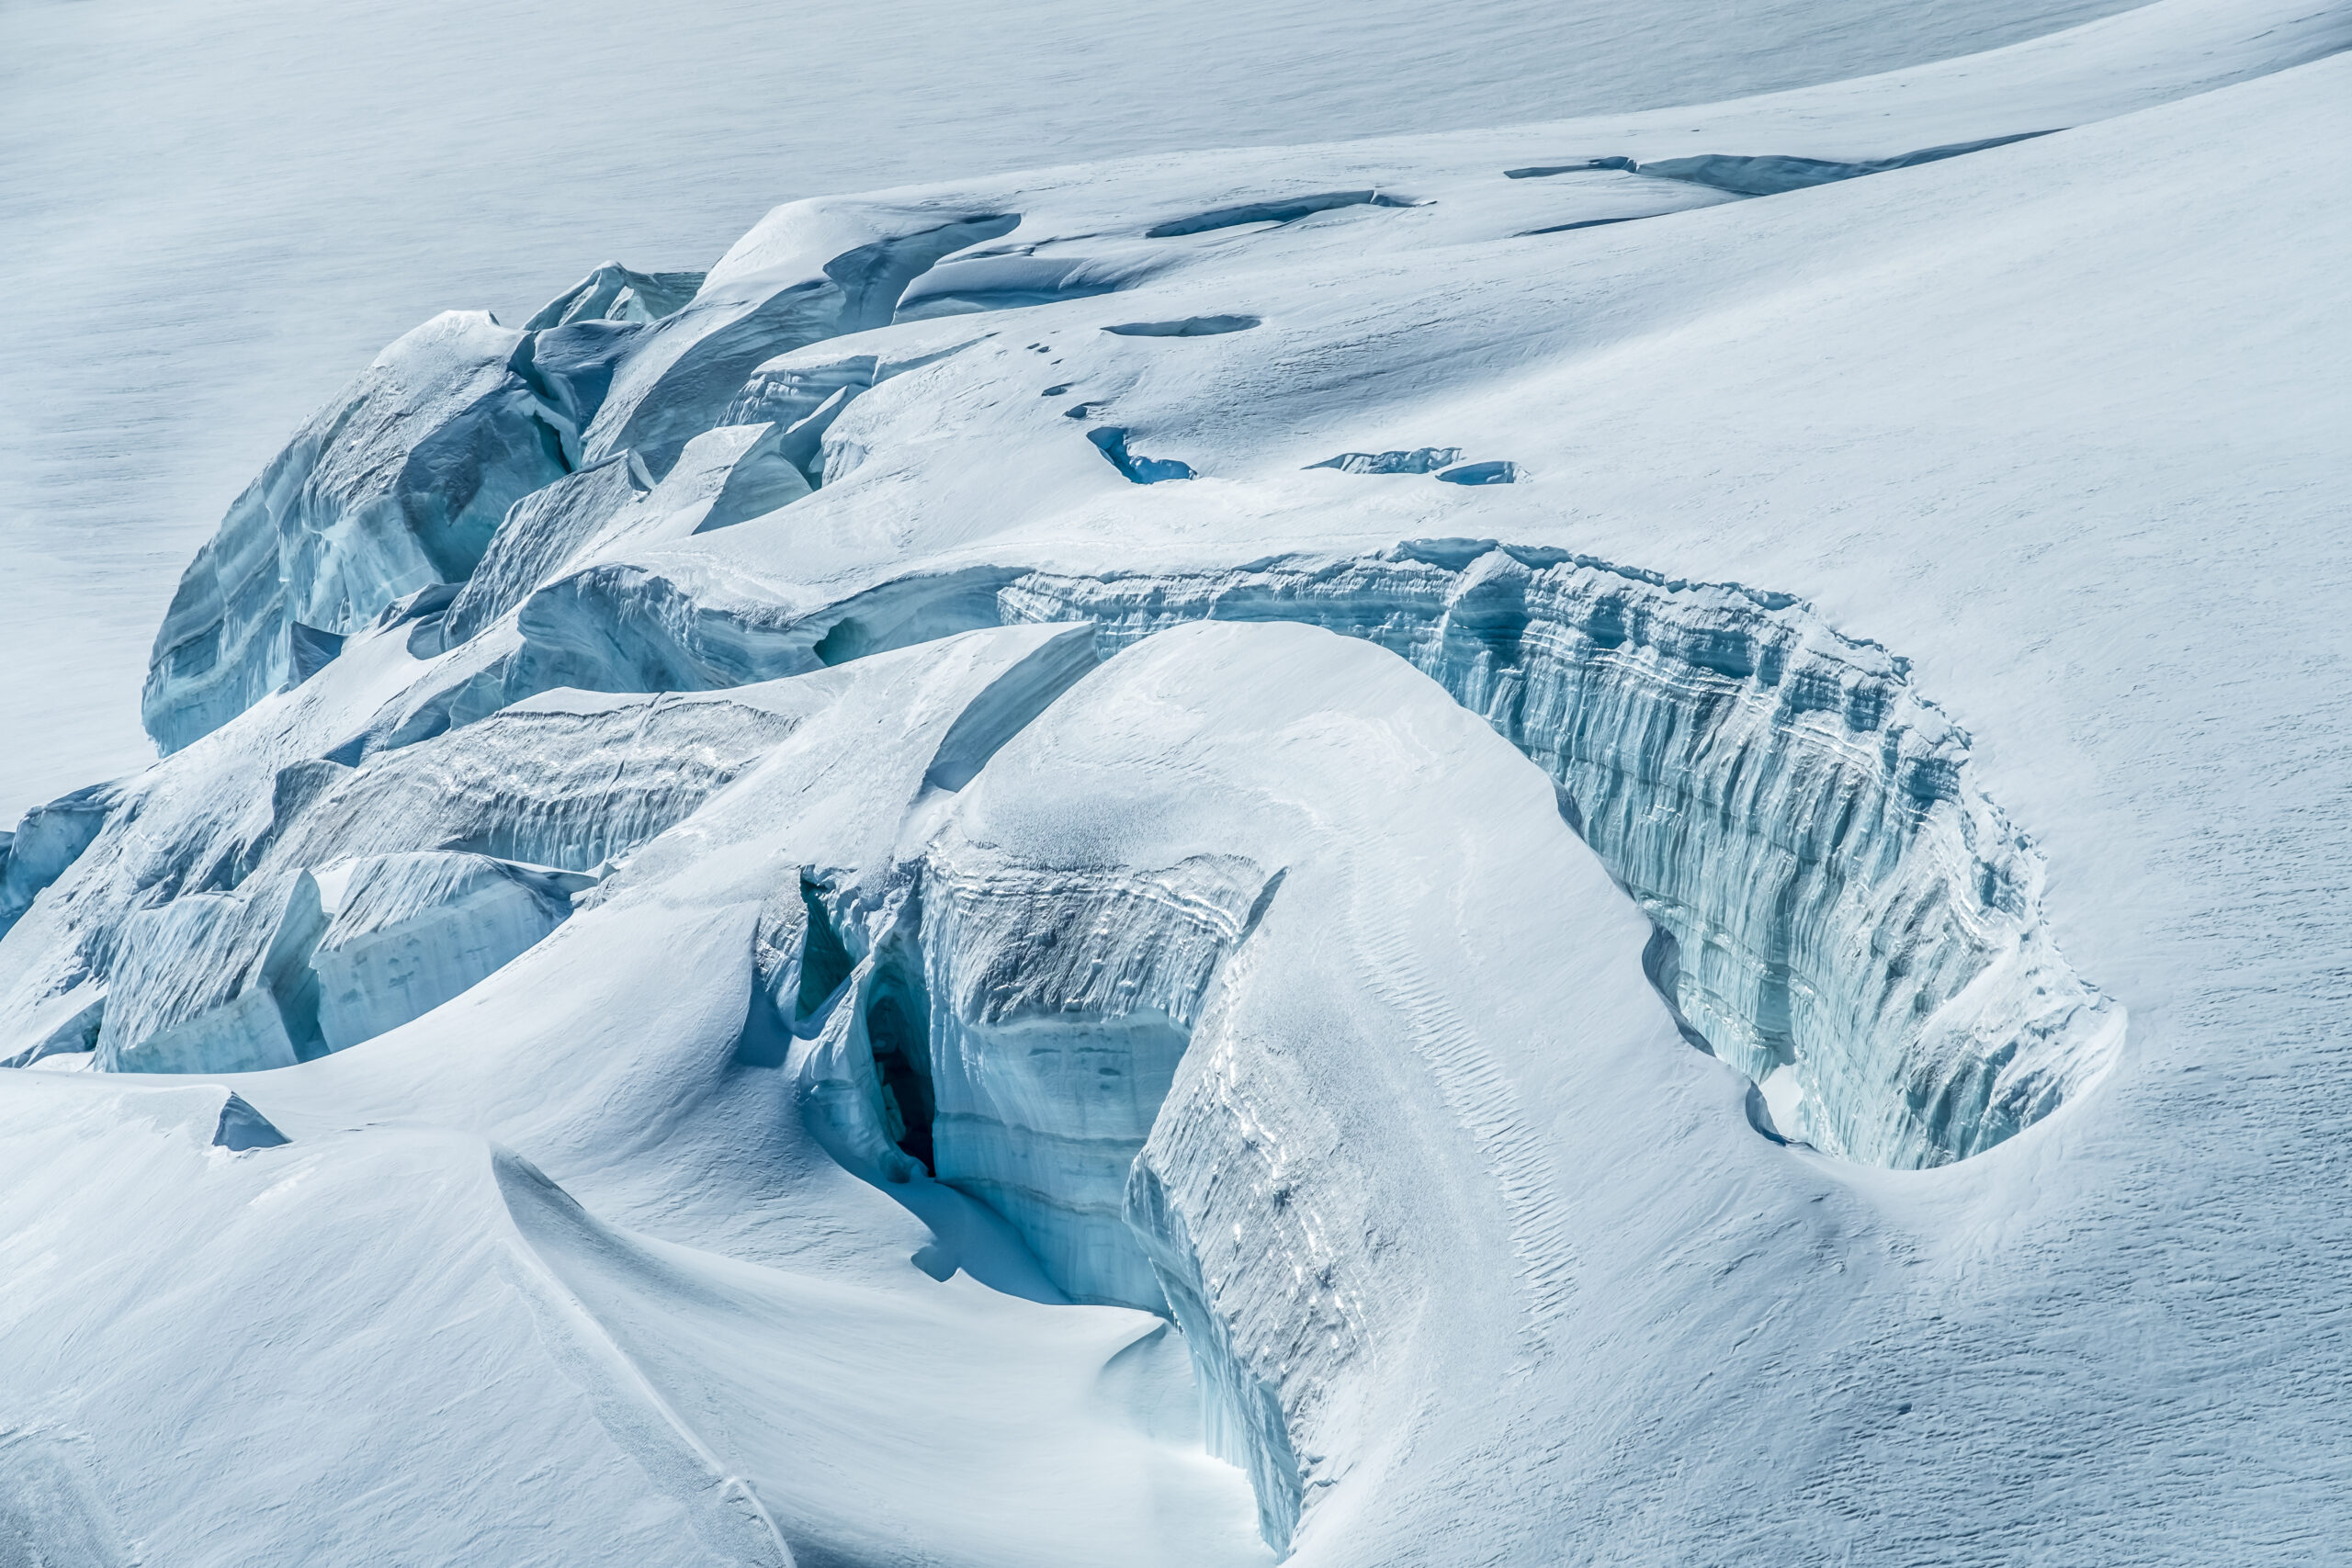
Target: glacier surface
x=1617, y=840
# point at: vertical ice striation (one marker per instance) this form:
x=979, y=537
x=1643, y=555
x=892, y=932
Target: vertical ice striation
x=1853, y=924
x=1242, y=1418
x=1061, y=1000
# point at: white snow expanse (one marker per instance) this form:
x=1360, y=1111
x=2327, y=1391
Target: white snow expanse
x=1625, y=840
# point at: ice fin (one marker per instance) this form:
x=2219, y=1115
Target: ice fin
x=614, y=293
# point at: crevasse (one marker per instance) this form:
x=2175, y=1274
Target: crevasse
x=1843, y=914
x=1846, y=917
x=1016, y=1029
x=1061, y=1000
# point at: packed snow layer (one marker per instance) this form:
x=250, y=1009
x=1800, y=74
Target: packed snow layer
x=1062, y=916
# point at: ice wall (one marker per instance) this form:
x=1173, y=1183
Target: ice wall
x=1848, y=920
x=216, y=982
x=412, y=931
x=1061, y=1000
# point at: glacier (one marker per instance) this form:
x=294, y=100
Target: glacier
x=1608, y=840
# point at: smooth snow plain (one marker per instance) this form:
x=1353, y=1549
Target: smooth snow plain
x=1622, y=840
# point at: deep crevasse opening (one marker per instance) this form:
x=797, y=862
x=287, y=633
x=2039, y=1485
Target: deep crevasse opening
x=1014, y=1030
x=1852, y=922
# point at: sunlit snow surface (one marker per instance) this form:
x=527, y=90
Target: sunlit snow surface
x=1618, y=842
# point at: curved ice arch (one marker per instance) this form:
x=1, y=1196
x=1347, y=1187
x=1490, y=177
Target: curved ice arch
x=1847, y=918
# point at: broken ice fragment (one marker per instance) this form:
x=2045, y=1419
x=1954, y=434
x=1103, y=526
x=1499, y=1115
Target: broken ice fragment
x=396, y=486
x=614, y=293
x=1419, y=460
x=1481, y=474
x=1111, y=443
x=216, y=983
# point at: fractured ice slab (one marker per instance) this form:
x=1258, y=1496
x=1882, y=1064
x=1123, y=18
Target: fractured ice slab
x=412, y=931
x=65, y=1024
x=790, y=282
x=46, y=840
x=1111, y=441
x=567, y=780
x=1418, y=460
x=216, y=982
x=803, y=392
x=396, y=486
x=536, y=535
x=614, y=293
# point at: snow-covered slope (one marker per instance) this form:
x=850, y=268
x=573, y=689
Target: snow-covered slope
x=224, y=207
x=1614, y=841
